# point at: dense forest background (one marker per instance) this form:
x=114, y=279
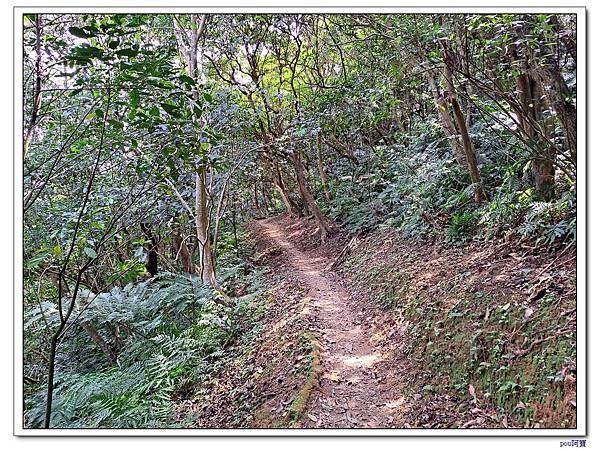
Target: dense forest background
x=152, y=141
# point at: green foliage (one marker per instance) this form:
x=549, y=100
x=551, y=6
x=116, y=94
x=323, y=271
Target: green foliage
x=419, y=187
x=126, y=124
x=550, y=221
x=166, y=330
x=460, y=226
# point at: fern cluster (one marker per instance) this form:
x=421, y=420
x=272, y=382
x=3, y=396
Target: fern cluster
x=415, y=184
x=166, y=332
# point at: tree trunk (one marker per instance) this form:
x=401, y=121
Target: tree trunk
x=532, y=124
x=322, y=174
x=559, y=97
x=308, y=198
x=37, y=88
x=293, y=210
x=267, y=200
x=182, y=253
x=92, y=332
x=234, y=223
x=543, y=162
x=448, y=126
x=256, y=205
x=207, y=267
x=191, y=37
x=285, y=197
x=479, y=193
x=538, y=85
x=51, y=372
x=152, y=263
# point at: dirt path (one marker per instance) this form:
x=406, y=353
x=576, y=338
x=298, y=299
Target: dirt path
x=356, y=389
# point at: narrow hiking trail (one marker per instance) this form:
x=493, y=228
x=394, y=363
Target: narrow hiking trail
x=356, y=387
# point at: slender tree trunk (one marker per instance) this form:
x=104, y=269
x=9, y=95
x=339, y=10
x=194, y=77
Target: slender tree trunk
x=285, y=197
x=559, y=97
x=538, y=85
x=51, y=371
x=256, y=205
x=558, y=93
x=65, y=315
x=543, y=162
x=207, y=267
x=182, y=253
x=37, y=88
x=479, y=193
x=443, y=110
x=234, y=223
x=152, y=264
x=265, y=198
x=532, y=124
x=293, y=210
x=322, y=174
x=308, y=198
x=187, y=41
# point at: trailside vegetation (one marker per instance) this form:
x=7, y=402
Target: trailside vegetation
x=150, y=141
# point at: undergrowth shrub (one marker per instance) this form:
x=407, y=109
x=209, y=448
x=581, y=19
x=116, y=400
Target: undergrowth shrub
x=417, y=185
x=167, y=331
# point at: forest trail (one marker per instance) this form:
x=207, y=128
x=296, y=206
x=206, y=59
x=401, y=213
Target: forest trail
x=354, y=386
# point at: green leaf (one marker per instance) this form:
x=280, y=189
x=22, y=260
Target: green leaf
x=187, y=80
x=35, y=261
x=208, y=97
x=171, y=109
x=86, y=52
x=135, y=98
x=129, y=52
x=90, y=252
x=160, y=82
x=116, y=124
x=79, y=32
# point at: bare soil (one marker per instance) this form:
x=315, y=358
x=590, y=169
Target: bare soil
x=356, y=388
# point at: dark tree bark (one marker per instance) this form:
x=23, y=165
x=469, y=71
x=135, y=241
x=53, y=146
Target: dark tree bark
x=559, y=96
x=152, y=263
x=532, y=123
x=293, y=210
x=321, y=167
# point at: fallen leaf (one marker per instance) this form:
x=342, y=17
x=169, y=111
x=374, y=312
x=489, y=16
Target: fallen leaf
x=528, y=313
x=312, y=417
x=333, y=376
x=469, y=423
x=472, y=390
